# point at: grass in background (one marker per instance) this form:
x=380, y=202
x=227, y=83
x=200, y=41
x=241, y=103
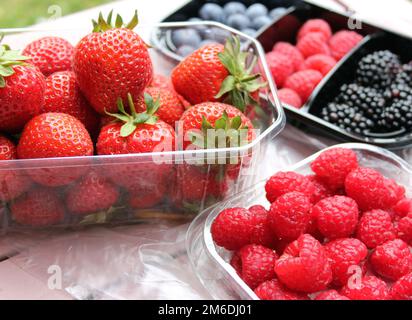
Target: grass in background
x=22, y=13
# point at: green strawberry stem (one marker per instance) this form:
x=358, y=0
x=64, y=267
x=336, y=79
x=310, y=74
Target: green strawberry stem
x=102, y=25
x=8, y=59
x=132, y=120
x=240, y=83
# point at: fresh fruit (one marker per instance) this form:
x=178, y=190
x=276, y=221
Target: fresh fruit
x=392, y=259
x=289, y=215
x=186, y=36
x=21, y=90
x=93, y=193
x=63, y=95
x=344, y=254
x=291, y=52
x=320, y=62
x=262, y=232
x=39, y=207
x=322, y=191
x=50, y=54
x=290, y=97
x=238, y=21
x=342, y=42
x=274, y=290
x=277, y=12
x=280, y=67
x=303, y=82
x=404, y=228
x=304, y=266
x=375, y=228
x=256, y=10
x=146, y=194
x=315, y=25
x=313, y=43
x=369, y=288
x=217, y=73
x=211, y=11
x=402, y=289
x=110, y=63
x=330, y=295
x=161, y=82
x=232, y=228
x=403, y=207
x=397, y=116
x=233, y=7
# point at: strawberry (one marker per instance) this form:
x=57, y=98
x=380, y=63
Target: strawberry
x=161, y=81
x=112, y=62
x=63, y=95
x=50, y=54
x=217, y=73
x=21, y=90
x=52, y=135
x=146, y=194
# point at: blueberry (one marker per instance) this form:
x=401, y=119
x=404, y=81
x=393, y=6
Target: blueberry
x=200, y=28
x=238, y=21
x=217, y=34
x=186, y=36
x=234, y=7
x=249, y=31
x=212, y=11
x=277, y=12
x=261, y=21
x=185, y=50
x=256, y=10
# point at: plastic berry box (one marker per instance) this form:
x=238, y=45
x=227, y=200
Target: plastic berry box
x=173, y=205
x=211, y=263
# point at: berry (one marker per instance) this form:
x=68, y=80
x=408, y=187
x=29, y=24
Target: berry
x=249, y=31
x=50, y=54
x=262, y=232
x=343, y=254
x=333, y=165
x=144, y=195
x=285, y=182
x=401, y=90
x=375, y=228
x=261, y=22
x=212, y=11
x=257, y=264
x=342, y=42
x=304, y=266
x=256, y=10
x=315, y=25
x=320, y=62
x=39, y=207
x=397, y=116
x=392, y=259
x=238, y=21
x=234, y=7
x=404, y=228
x=289, y=215
x=336, y=217
x=161, y=82
x=313, y=43
x=330, y=295
x=403, y=207
x=279, y=66
x=303, y=82
x=274, y=290
x=277, y=12
x=291, y=52
x=369, y=288
x=290, y=97
x=402, y=289
x=185, y=50
x=232, y=228
x=322, y=191
x=186, y=36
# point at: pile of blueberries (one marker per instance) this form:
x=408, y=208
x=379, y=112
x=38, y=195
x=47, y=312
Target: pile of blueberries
x=234, y=14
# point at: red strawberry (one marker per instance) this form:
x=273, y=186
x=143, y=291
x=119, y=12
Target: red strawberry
x=280, y=67
x=110, y=63
x=161, y=81
x=63, y=95
x=217, y=73
x=146, y=194
x=50, y=54
x=21, y=91
x=52, y=135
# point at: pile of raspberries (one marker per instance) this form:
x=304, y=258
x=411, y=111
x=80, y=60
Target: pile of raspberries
x=341, y=233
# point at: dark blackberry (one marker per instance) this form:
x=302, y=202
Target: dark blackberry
x=405, y=75
x=347, y=118
x=397, y=116
x=378, y=69
x=398, y=91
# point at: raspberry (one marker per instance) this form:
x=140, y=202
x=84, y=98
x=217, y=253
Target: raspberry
x=236, y=263
x=303, y=82
x=290, y=97
x=369, y=288
x=403, y=207
x=313, y=43
x=232, y=228
x=336, y=217
x=343, y=254
x=262, y=232
x=333, y=165
x=291, y=52
x=279, y=66
x=320, y=62
x=404, y=228
x=375, y=227
x=315, y=25
x=392, y=259
x=304, y=266
x=274, y=290
x=284, y=182
x=289, y=215
x=322, y=191
x=402, y=289
x=371, y=190
x=342, y=42
x=257, y=264
x=330, y=295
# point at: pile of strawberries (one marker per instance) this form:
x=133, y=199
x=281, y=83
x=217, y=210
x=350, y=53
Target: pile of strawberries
x=101, y=97
x=298, y=69
x=341, y=233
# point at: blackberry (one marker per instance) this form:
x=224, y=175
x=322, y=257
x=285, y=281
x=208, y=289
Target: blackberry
x=398, y=91
x=347, y=118
x=405, y=75
x=397, y=116
x=378, y=69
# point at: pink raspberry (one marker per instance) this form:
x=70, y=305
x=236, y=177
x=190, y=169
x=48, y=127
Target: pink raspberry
x=303, y=82
x=279, y=66
x=304, y=266
x=320, y=62
x=290, y=97
x=404, y=228
x=342, y=42
x=313, y=43
x=330, y=295
x=315, y=25
x=291, y=52
x=403, y=207
x=322, y=191
x=402, y=289
x=369, y=288
x=289, y=215
x=262, y=232
x=274, y=290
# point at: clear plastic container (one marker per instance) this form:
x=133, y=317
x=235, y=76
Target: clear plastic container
x=211, y=263
x=142, y=169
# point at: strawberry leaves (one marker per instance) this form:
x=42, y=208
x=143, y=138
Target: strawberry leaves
x=102, y=25
x=240, y=83
x=8, y=59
